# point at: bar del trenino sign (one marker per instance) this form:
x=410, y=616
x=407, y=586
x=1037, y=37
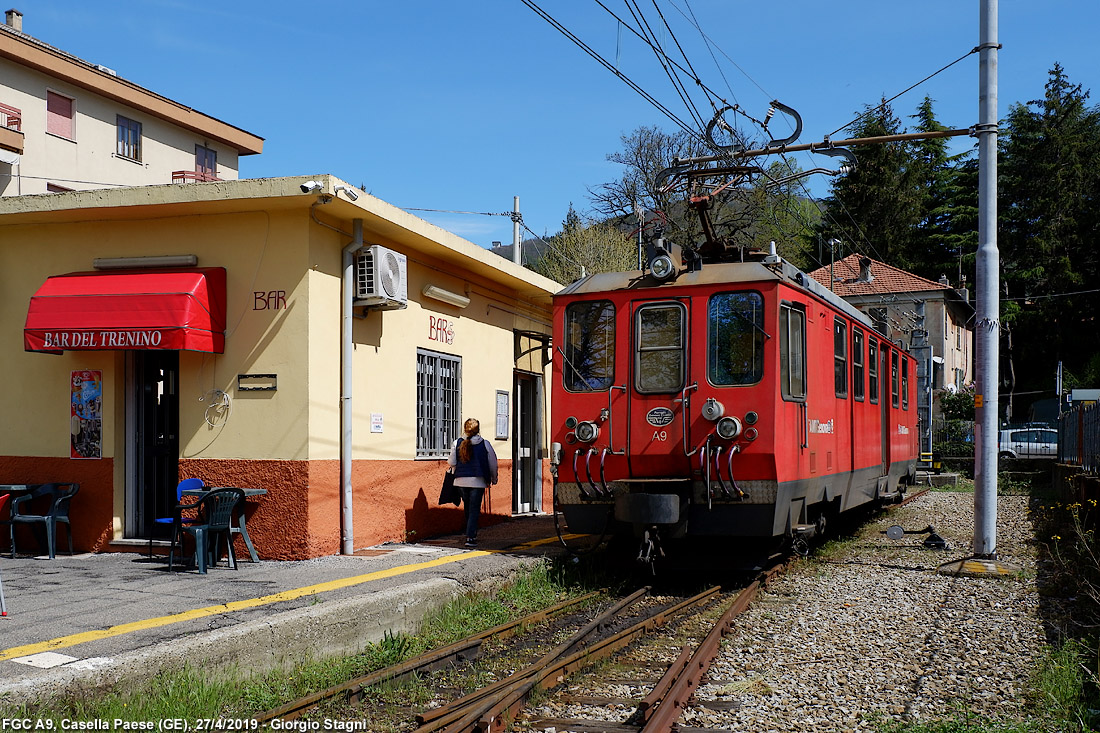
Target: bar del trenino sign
x=177, y=309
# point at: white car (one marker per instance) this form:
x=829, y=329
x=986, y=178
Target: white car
x=1028, y=443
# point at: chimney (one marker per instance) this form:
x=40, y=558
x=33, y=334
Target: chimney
x=14, y=19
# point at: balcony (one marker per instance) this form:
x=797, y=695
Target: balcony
x=11, y=129
x=193, y=176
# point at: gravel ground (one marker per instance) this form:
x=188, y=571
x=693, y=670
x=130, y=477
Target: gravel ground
x=867, y=631
x=871, y=631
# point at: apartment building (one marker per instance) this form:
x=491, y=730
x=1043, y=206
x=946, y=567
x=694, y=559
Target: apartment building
x=69, y=124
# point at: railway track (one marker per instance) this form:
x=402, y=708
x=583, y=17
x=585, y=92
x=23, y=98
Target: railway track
x=665, y=645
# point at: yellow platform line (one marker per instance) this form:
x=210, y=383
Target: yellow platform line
x=63, y=642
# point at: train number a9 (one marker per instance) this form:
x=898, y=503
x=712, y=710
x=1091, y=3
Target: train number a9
x=661, y=435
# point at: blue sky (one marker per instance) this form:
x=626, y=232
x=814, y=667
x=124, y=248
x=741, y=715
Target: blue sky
x=463, y=105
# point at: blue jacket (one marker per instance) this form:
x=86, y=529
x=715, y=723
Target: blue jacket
x=478, y=466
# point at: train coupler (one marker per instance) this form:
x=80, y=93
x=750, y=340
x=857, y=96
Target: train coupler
x=650, y=548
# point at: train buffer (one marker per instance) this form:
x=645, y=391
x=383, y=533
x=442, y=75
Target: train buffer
x=933, y=541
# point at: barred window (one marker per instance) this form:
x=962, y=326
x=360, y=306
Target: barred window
x=438, y=403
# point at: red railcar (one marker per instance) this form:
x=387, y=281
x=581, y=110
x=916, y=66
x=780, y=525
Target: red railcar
x=737, y=400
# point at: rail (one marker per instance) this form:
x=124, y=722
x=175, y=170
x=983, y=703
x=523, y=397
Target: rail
x=193, y=176
x=11, y=118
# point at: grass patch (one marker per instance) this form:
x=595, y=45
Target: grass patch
x=191, y=692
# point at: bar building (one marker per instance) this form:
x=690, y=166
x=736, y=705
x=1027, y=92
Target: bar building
x=163, y=332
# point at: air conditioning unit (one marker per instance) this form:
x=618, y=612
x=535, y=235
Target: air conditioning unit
x=381, y=278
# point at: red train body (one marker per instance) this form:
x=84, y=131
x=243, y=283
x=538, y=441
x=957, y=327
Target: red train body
x=738, y=400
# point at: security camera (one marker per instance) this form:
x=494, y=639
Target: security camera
x=311, y=187
x=348, y=191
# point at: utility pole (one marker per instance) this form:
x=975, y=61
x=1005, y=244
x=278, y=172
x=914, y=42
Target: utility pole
x=988, y=294
x=517, y=253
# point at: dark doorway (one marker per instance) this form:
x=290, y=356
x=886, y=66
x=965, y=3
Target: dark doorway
x=154, y=440
x=527, y=437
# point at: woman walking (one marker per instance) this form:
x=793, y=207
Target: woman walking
x=475, y=464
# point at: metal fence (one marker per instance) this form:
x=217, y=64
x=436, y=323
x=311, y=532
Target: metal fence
x=1079, y=437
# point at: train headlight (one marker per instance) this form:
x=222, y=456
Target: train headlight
x=587, y=431
x=729, y=427
x=661, y=266
x=751, y=418
x=713, y=409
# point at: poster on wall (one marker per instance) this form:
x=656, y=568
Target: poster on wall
x=86, y=419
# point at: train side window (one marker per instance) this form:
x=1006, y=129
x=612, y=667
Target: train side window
x=872, y=371
x=840, y=356
x=894, y=377
x=857, y=364
x=659, y=359
x=905, y=384
x=735, y=338
x=589, y=346
x=792, y=352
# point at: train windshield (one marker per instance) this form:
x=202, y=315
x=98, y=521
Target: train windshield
x=660, y=353
x=589, y=346
x=735, y=338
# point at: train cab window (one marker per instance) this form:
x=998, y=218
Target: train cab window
x=857, y=364
x=735, y=338
x=894, y=377
x=840, y=357
x=872, y=371
x=659, y=359
x=589, y=346
x=905, y=384
x=792, y=351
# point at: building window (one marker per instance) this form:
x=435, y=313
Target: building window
x=60, y=113
x=857, y=364
x=438, y=403
x=872, y=371
x=589, y=346
x=735, y=338
x=840, y=357
x=879, y=319
x=660, y=354
x=792, y=350
x=128, y=144
x=206, y=162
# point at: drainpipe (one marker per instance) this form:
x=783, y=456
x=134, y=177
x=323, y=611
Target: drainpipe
x=347, y=294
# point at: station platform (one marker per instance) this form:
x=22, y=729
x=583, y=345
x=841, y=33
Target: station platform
x=92, y=620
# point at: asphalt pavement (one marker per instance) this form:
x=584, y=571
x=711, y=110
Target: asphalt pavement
x=91, y=620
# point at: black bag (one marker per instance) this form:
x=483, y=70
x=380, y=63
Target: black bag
x=449, y=494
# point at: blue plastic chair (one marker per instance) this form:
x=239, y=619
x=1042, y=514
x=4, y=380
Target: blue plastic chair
x=177, y=520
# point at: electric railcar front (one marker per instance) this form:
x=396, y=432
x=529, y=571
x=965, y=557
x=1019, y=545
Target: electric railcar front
x=741, y=399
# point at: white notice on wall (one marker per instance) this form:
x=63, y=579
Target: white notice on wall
x=376, y=422
x=502, y=415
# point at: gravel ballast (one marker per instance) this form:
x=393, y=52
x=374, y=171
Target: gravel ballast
x=868, y=631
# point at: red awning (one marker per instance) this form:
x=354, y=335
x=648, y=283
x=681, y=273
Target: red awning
x=129, y=309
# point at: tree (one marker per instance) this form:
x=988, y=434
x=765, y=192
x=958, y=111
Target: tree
x=748, y=212
x=877, y=207
x=1048, y=189
x=593, y=246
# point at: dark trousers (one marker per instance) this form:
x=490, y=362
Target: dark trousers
x=471, y=505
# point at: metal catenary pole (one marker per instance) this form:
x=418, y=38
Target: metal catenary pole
x=987, y=331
